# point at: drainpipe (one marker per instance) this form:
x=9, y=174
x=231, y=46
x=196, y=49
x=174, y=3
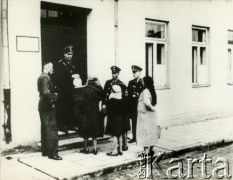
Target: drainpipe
x=116, y=30
x=6, y=72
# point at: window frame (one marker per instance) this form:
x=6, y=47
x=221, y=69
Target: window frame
x=229, y=61
x=197, y=61
x=158, y=22
x=155, y=41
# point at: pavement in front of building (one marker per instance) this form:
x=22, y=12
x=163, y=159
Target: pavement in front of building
x=197, y=172
x=175, y=139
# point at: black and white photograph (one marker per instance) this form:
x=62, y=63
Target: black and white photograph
x=116, y=89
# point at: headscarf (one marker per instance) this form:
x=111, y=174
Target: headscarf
x=93, y=81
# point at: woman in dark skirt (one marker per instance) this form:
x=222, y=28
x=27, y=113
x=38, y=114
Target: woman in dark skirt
x=115, y=113
x=86, y=112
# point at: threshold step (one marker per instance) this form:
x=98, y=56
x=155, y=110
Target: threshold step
x=71, y=134
x=75, y=142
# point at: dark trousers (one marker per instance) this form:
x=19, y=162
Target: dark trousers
x=49, y=134
x=133, y=118
x=65, y=115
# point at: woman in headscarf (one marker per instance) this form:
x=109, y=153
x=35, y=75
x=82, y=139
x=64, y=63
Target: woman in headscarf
x=115, y=113
x=147, y=130
x=87, y=113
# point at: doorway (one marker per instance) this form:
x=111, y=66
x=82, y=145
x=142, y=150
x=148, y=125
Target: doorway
x=63, y=25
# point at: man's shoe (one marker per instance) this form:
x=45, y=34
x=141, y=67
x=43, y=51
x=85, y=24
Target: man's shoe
x=85, y=151
x=132, y=141
x=55, y=157
x=125, y=148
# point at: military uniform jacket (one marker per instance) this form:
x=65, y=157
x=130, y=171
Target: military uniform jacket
x=63, y=78
x=108, y=88
x=134, y=90
x=47, y=94
x=121, y=123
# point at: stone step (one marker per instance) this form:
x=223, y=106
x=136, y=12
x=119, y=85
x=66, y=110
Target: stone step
x=72, y=140
x=71, y=134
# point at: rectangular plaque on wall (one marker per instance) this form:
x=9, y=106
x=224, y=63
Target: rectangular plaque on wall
x=27, y=44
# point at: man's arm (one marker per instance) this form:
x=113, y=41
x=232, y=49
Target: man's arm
x=46, y=92
x=105, y=96
x=130, y=92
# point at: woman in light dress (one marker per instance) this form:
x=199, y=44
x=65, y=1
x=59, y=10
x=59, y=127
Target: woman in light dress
x=147, y=130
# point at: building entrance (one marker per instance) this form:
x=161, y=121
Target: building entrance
x=63, y=25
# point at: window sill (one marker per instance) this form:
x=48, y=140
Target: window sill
x=200, y=85
x=230, y=83
x=161, y=87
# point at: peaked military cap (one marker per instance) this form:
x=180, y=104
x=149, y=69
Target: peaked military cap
x=68, y=49
x=136, y=68
x=115, y=69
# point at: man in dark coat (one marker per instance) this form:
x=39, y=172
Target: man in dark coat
x=107, y=91
x=49, y=134
x=64, y=74
x=135, y=88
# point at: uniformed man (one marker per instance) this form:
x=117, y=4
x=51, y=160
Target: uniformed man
x=47, y=105
x=65, y=71
x=109, y=83
x=135, y=87
x=107, y=91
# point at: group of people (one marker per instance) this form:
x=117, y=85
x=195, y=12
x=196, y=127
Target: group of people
x=66, y=101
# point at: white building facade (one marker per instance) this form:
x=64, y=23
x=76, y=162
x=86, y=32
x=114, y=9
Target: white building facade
x=187, y=46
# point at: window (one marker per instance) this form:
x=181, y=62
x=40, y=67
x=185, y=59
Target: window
x=156, y=52
x=230, y=57
x=200, y=63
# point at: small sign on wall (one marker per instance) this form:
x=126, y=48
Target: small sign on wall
x=27, y=44
x=53, y=14
x=43, y=13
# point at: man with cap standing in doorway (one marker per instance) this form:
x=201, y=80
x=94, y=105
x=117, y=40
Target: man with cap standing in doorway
x=65, y=71
x=107, y=91
x=135, y=88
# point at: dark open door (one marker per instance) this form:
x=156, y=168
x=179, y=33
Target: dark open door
x=63, y=25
